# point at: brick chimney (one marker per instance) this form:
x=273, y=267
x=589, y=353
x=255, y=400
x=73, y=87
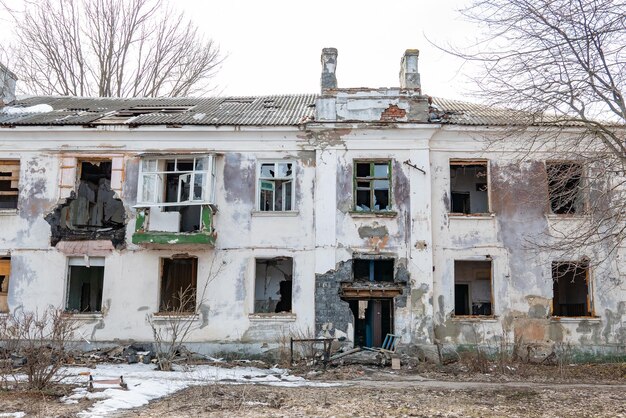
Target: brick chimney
x=409, y=77
x=329, y=66
x=7, y=85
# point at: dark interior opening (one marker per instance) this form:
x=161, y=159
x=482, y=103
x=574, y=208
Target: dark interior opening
x=564, y=187
x=472, y=287
x=178, y=284
x=85, y=289
x=373, y=270
x=468, y=187
x=273, y=285
x=373, y=320
x=9, y=178
x=571, y=290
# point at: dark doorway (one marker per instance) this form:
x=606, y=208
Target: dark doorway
x=373, y=320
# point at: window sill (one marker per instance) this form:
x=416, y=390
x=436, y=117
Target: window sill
x=267, y=213
x=475, y=318
x=272, y=317
x=575, y=319
x=563, y=216
x=83, y=316
x=168, y=317
x=8, y=212
x=379, y=214
x=471, y=215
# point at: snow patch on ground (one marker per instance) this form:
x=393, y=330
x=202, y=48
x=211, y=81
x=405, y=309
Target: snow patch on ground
x=40, y=108
x=146, y=384
x=13, y=414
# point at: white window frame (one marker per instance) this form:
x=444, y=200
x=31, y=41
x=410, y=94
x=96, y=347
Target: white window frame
x=85, y=261
x=291, y=178
x=157, y=172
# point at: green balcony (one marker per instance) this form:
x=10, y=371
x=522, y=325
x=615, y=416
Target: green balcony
x=148, y=233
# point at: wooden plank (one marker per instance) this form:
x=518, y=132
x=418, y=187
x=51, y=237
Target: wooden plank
x=5, y=267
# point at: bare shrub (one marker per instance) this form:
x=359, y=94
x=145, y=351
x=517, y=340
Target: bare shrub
x=40, y=340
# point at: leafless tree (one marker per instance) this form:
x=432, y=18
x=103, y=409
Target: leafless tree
x=110, y=48
x=561, y=66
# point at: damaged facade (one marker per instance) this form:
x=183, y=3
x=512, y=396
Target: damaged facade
x=354, y=213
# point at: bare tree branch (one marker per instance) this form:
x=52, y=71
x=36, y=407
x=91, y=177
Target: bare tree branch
x=110, y=48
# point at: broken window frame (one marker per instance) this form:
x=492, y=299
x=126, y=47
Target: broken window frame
x=578, y=201
x=589, y=305
x=88, y=262
x=291, y=179
x=371, y=179
x=459, y=162
x=14, y=178
x=5, y=270
x=158, y=173
x=181, y=293
x=256, y=313
x=469, y=290
x=372, y=268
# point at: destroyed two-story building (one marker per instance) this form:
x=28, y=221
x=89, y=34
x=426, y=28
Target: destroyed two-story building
x=351, y=214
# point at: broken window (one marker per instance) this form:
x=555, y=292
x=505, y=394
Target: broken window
x=5, y=273
x=372, y=186
x=571, y=289
x=9, y=179
x=276, y=186
x=468, y=187
x=373, y=270
x=95, y=205
x=176, y=188
x=273, y=284
x=85, y=282
x=565, y=187
x=472, y=288
x=178, y=284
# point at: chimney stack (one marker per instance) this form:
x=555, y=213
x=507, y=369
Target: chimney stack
x=409, y=77
x=7, y=85
x=329, y=66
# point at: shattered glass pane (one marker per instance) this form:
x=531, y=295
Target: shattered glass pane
x=267, y=170
x=283, y=169
x=381, y=194
x=184, y=187
x=202, y=164
x=198, y=186
x=363, y=200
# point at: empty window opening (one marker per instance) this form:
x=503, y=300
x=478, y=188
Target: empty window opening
x=373, y=320
x=5, y=273
x=9, y=179
x=176, y=188
x=373, y=270
x=178, y=284
x=85, y=283
x=571, y=289
x=468, y=187
x=276, y=186
x=95, y=205
x=273, y=285
x=472, y=288
x=372, y=186
x=564, y=187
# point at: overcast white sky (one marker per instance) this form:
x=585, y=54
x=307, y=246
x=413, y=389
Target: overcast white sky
x=274, y=46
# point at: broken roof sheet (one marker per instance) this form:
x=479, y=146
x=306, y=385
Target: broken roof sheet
x=284, y=110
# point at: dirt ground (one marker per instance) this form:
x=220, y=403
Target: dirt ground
x=422, y=390
x=385, y=399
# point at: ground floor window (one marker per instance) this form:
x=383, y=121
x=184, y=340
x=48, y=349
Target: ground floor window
x=85, y=283
x=178, y=284
x=5, y=272
x=273, y=285
x=472, y=288
x=571, y=289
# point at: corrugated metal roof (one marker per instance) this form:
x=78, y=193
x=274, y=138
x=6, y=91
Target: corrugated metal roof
x=278, y=110
x=283, y=110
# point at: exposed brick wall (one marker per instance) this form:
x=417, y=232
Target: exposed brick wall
x=392, y=113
